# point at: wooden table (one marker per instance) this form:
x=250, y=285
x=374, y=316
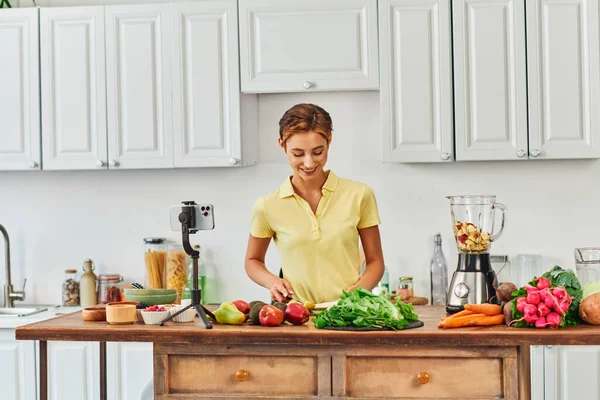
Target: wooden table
x=304, y=362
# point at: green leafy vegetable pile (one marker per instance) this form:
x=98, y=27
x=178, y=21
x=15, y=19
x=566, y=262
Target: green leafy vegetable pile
x=361, y=308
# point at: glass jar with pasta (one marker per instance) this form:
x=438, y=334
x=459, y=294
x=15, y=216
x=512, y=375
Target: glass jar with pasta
x=155, y=256
x=176, y=269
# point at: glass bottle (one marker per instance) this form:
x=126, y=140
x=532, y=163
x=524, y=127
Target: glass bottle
x=70, y=288
x=87, y=285
x=438, y=271
x=187, y=291
x=383, y=287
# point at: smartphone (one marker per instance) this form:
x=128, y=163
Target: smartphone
x=205, y=219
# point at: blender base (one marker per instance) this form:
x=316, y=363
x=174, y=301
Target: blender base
x=473, y=282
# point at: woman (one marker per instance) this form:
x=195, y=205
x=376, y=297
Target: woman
x=315, y=219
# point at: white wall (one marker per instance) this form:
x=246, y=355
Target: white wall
x=57, y=219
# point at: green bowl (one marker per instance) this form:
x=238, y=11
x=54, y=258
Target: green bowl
x=151, y=296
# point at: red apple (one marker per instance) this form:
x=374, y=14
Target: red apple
x=270, y=316
x=242, y=306
x=296, y=314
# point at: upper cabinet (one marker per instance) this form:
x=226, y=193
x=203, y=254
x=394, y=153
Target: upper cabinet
x=416, y=80
x=308, y=45
x=19, y=90
x=490, y=82
x=564, y=78
x=73, y=88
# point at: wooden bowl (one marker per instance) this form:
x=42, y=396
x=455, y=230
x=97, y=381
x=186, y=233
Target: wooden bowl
x=120, y=313
x=94, y=314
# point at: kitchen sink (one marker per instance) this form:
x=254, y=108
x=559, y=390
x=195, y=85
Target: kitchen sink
x=20, y=311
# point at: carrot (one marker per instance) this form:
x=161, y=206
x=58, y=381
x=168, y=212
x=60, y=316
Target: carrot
x=467, y=320
x=490, y=320
x=487, y=309
x=460, y=314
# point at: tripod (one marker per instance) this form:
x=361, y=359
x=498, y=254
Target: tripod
x=187, y=217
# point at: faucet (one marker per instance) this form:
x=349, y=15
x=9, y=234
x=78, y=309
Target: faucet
x=9, y=295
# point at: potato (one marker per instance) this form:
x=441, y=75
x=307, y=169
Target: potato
x=504, y=291
x=589, y=309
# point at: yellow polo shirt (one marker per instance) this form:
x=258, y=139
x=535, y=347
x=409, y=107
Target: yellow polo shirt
x=318, y=251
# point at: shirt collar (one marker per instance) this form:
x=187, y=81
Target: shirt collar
x=286, y=189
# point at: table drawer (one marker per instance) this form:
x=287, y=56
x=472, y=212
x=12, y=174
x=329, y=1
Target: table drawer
x=422, y=377
x=226, y=376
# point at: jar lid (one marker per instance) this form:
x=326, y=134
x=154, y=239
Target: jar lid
x=110, y=278
x=70, y=271
x=406, y=278
x=154, y=240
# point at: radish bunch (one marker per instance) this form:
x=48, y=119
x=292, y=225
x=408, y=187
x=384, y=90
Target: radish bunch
x=543, y=306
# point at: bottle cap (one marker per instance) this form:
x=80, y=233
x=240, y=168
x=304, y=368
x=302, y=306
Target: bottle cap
x=154, y=240
x=437, y=238
x=406, y=278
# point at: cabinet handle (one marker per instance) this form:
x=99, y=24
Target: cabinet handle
x=113, y=163
x=535, y=153
x=241, y=375
x=307, y=85
x=100, y=163
x=32, y=164
x=445, y=156
x=520, y=153
x=233, y=161
x=423, y=378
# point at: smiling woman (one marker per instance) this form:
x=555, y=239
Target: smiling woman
x=315, y=219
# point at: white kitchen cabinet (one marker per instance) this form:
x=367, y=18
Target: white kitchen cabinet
x=17, y=367
x=73, y=87
x=19, y=93
x=308, y=45
x=490, y=79
x=73, y=371
x=208, y=111
x=129, y=369
x=564, y=80
x=416, y=80
x=138, y=76
x=572, y=372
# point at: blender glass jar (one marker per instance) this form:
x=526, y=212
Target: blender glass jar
x=155, y=257
x=473, y=222
x=587, y=263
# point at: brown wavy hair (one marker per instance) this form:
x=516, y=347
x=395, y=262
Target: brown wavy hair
x=303, y=118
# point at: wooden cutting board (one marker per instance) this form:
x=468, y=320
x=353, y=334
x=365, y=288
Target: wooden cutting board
x=416, y=301
x=412, y=324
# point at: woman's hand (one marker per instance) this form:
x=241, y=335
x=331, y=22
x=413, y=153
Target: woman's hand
x=352, y=287
x=280, y=289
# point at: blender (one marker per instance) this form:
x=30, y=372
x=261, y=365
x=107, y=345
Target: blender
x=474, y=281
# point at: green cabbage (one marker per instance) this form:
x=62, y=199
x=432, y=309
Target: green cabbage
x=590, y=288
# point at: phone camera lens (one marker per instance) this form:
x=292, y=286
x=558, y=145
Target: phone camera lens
x=205, y=214
x=202, y=208
x=207, y=208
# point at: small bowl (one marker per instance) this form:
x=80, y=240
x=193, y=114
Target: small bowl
x=186, y=316
x=154, y=317
x=94, y=314
x=151, y=297
x=120, y=313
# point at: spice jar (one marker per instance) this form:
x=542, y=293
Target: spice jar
x=87, y=285
x=108, y=288
x=406, y=284
x=176, y=270
x=155, y=257
x=70, y=288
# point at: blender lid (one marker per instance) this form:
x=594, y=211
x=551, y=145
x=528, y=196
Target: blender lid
x=472, y=199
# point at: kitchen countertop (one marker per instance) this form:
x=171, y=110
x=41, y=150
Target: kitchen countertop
x=72, y=327
x=52, y=311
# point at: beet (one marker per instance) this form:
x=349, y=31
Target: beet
x=504, y=291
x=508, y=313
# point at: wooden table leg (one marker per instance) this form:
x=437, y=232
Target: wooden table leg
x=102, y=370
x=524, y=373
x=43, y=370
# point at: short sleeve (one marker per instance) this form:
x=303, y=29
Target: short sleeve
x=369, y=215
x=259, y=227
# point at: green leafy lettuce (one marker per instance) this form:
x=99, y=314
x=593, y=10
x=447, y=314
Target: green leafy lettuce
x=361, y=308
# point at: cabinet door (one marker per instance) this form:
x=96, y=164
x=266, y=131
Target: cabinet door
x=308, y=45
x=490, y=79
x=564, y=83
x=206, y=99
x=73, y=371
x=73, y=87
x=17, y=367
x=572, y=372
x=129, y=367
x=138, y=73
x=416, y=77
x=20, y=93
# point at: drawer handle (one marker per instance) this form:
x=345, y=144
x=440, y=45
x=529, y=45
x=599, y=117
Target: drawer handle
x=241, y=375
x=423, y=378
